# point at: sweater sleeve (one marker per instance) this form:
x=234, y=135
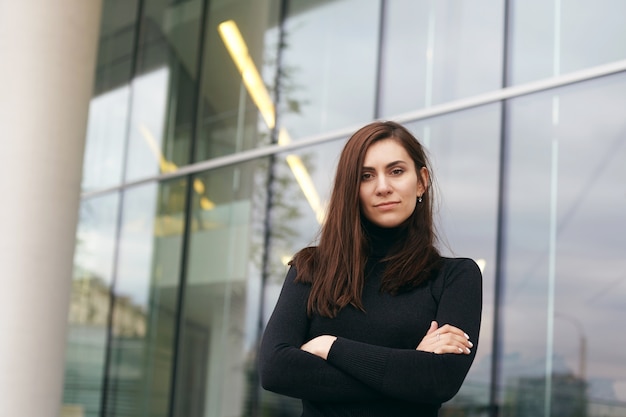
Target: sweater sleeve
x=414, y=375
x=288, y=370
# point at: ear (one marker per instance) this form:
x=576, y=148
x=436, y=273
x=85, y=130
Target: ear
x=422, y=181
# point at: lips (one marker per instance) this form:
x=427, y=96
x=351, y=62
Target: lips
x=387, y=204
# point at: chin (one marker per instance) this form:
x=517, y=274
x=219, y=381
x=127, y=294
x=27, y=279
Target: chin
x=388, y=223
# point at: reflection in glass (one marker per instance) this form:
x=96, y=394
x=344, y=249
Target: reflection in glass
x=436, y=51
x=108, y=110
x=222, y=294
x=89, y=305
x=464, y=150
x=104, y=146
x=328, y=78
x=296, y=218
x=163, y=90
x=146, y=290
x=229, y=118
x=115, y=48
x=564, y=256
x=550, y=38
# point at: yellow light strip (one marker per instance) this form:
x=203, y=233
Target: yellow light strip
x=303, y=178
x=206, y=204
x=165, y=165
x=238, y=50
x=169, y=166
x=239, y=53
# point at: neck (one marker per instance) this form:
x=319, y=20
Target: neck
x=382, y=239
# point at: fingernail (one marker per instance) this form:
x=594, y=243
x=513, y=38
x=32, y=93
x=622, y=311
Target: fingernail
x=470, y=343
x=467, y=350
x=466, y=336
x=460, y=350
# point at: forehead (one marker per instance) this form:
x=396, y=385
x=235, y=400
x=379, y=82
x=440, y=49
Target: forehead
x=385, y=151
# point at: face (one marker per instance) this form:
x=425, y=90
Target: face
x=390, y=184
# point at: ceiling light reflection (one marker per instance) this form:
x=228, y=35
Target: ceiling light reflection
x=303, y=178
x=168, y=166
x=238, y=50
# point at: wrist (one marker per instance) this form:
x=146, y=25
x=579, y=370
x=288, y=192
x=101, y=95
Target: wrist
x=326, y=343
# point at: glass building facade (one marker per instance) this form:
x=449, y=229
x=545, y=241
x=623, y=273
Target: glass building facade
x=213, y=136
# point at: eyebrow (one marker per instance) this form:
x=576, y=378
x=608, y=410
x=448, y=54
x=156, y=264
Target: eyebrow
x=389, y=165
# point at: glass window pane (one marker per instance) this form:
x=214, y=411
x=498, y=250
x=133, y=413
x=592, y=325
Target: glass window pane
x=303, y=179
x=163, y=91
x=89, y=305
x=108, y=110
x=106, y=133
x=237, y=113
x=464, y=150
x=328, y=75
x=556, y=37
x=564, y=253
x=222, y=295
x=115, y=48
x=145, y=305
x=437, y=51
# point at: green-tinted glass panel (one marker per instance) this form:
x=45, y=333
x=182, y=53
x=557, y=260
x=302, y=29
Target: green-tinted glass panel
x=237, y=113
x=329, y=65
x=564, y=253
x=222, y=295
x=89, y=306
x=302, y=187
x=146, y=290
x=163, y=91
x=108, y=111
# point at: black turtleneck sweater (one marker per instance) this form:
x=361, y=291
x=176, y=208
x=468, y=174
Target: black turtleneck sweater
x=373, y=368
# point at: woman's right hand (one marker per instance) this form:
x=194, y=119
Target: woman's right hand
x=445, y=339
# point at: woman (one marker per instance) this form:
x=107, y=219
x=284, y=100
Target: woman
x=373, y=321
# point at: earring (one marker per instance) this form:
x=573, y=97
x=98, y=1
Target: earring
x=419, y=199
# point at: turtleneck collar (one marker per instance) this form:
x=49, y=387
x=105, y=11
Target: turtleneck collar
x=381, y=239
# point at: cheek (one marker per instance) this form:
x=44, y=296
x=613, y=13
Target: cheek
x=412, y=203
x=413, y=206
x=362, y=195
x=412, y=193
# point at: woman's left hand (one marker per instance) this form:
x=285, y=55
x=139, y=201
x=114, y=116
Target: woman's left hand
x=445, y=339
x=319, y=346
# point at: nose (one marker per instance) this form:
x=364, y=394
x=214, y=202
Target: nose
x=382, y=186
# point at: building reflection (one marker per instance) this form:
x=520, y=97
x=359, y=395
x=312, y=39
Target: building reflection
x=526, y=397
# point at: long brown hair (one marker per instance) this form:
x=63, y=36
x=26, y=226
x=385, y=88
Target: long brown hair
x=335, y=268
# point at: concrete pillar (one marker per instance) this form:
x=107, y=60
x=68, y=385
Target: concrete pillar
x=47, y=60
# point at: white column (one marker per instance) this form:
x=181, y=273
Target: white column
x=47, y=61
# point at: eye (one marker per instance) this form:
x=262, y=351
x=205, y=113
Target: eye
x=366, y=176
x=397, y=171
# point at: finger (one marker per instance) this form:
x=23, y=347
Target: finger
x=433, y=326
x=451, y=343
x=452, y=329
x=452, y=349
x=456, y=340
